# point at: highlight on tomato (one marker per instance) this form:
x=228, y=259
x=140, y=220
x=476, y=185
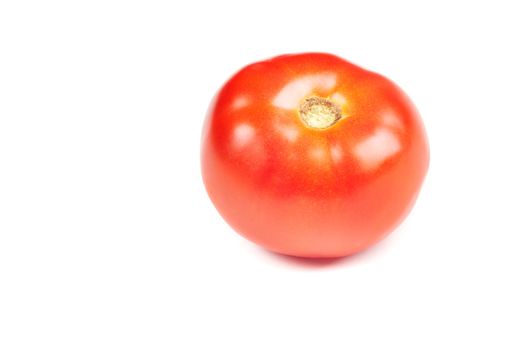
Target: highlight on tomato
x=310, y=155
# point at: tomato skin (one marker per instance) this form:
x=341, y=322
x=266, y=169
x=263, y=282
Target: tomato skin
x=309, y=192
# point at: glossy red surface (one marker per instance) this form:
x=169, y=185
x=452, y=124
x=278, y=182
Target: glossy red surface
x=311, y=192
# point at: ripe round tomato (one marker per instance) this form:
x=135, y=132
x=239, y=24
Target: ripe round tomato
x=312, y=156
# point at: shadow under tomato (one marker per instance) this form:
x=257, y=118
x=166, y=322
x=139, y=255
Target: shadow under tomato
x=305, y=262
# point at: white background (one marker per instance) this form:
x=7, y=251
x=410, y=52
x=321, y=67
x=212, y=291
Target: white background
x=109, y=241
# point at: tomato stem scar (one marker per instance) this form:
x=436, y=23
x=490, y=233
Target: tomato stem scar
x=319, y=112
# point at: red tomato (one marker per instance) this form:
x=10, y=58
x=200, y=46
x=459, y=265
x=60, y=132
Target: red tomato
x=312, y=156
